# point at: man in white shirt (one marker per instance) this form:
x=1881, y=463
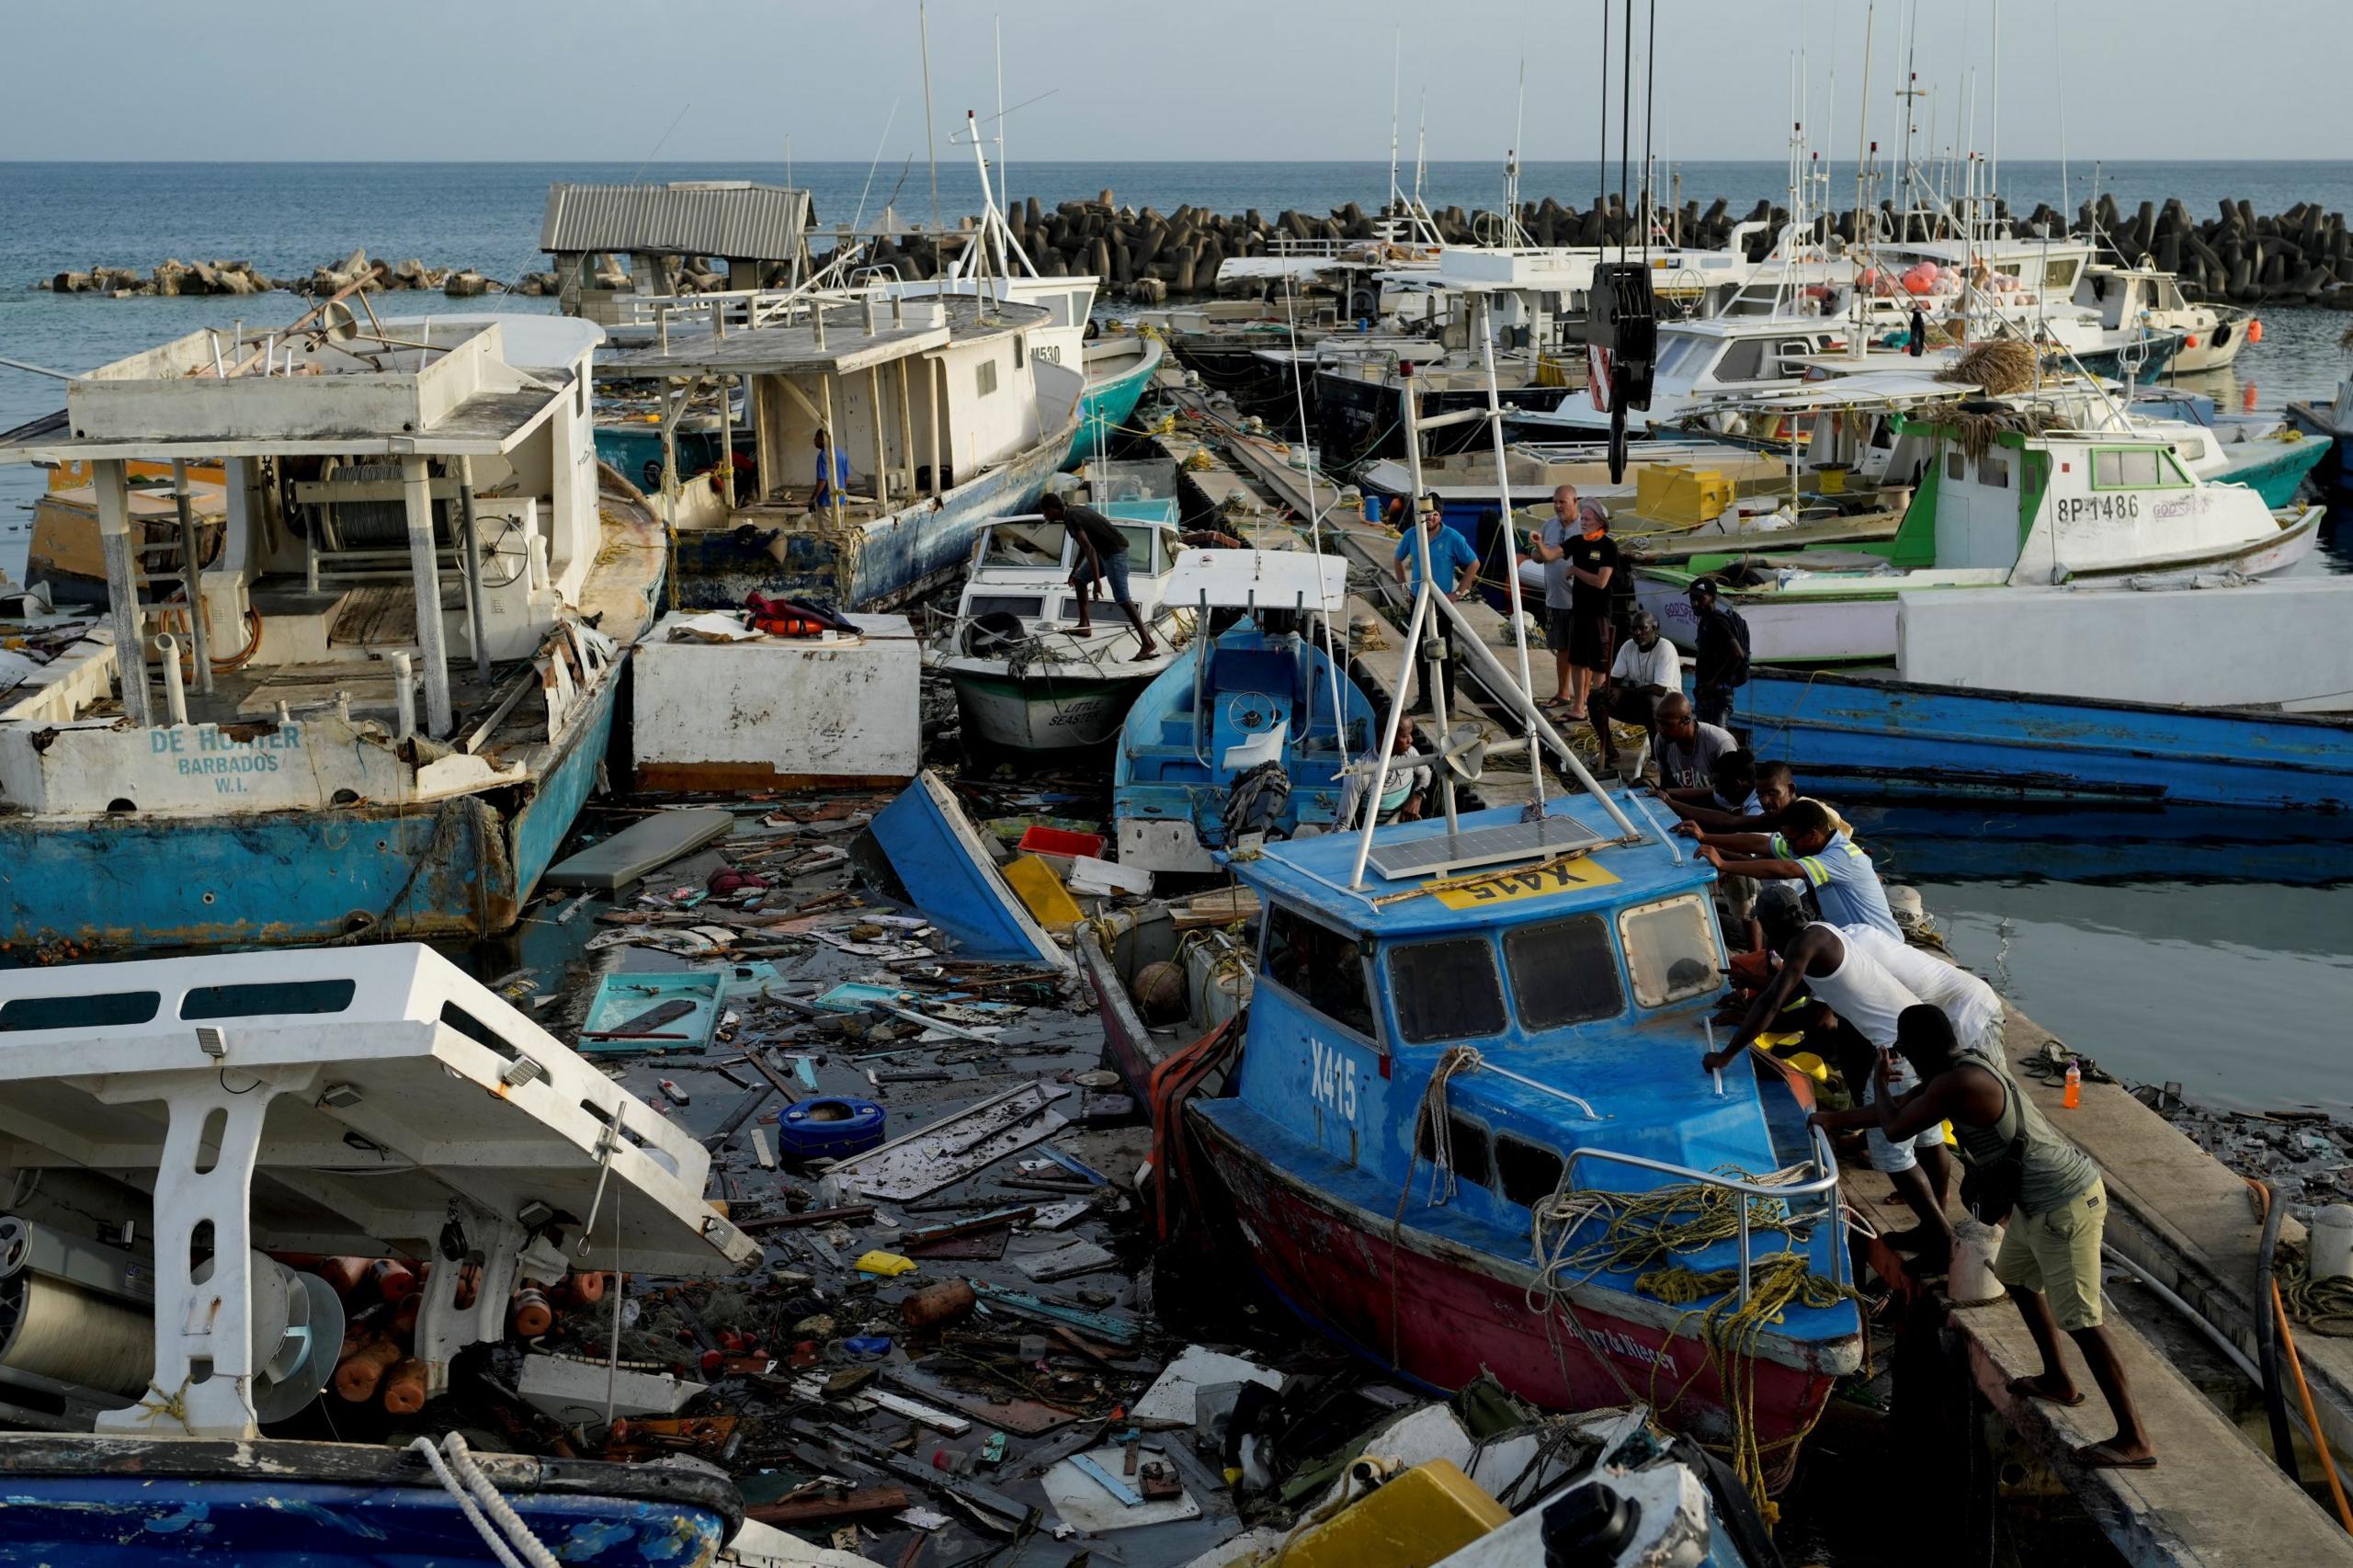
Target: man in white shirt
x=1646, y=669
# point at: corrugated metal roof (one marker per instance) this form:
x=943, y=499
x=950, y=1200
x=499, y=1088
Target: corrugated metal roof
x=734, y=220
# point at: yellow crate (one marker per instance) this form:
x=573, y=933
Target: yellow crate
x=1430, y=1512
x=1042, y=893
x=1674, y=492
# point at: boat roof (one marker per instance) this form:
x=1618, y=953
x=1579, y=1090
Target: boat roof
x=1314, y=874
x=790, y=348
x=734, y=220
x=324, y=393
x=1253, y=579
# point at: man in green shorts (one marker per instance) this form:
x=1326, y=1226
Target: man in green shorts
x=2050, y=1259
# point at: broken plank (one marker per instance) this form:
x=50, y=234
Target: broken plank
x=831, y=1505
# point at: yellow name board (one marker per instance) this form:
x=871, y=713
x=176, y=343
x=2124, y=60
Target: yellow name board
x=1480, y=892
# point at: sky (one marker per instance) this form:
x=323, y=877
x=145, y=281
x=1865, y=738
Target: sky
x=621, y=80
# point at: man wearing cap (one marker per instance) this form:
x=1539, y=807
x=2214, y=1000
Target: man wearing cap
x=1722, y=662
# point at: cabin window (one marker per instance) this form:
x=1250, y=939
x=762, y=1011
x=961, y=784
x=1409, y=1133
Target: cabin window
x=2062, y=274
x=269, y=997
x=1563, y=973
x=1036, y=543
x=1955, y=466
x=2129, y=468
x=1467, y=1147
x=1529, y=1172
x=1446, y=990
x=1025, y=605
x=1678, y=352
x=1744, y=361
x=1993, y=470
x=101, y=1010
x=986, y=375
x=1020, y=348
x=1320, y=967
x=1670, y=950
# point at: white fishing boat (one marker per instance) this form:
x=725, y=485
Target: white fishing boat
x=241, y=752
x=1024, y=680
x=1996, y=508
x=2211, y=335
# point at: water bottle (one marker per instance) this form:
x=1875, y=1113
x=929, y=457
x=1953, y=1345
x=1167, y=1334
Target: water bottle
x=2075, y=1095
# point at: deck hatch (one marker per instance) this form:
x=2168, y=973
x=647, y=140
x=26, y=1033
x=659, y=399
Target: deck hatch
x=1438, y=853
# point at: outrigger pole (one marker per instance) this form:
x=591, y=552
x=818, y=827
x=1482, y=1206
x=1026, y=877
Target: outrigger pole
x=1517, y=697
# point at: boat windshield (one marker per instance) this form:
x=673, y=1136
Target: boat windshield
x=1670, y=950
x=1446, y=989
x=1563, y=972
x=1036, y=543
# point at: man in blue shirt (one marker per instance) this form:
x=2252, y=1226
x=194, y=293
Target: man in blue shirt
x=1453, y=559
x=1810, y=848
x=832, y=473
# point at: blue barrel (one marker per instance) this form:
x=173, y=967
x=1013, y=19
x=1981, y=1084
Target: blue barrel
x=1372, y=508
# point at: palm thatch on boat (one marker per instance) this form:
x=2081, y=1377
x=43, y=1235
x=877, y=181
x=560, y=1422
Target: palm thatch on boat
x=1974, y=425
x=2000, y=365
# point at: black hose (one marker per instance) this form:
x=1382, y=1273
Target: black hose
x=2275, y=1394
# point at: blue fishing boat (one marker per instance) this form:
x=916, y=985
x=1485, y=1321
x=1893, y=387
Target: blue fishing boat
x=1119, y=368
x=243, y=753
x=1248, y=731
x=1470, y=1093
x=113, y=1502
x=2331, y=422
x=1911, y=737
x=947, y=874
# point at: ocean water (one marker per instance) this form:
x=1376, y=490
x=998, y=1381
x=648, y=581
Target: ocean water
x=2211, y=950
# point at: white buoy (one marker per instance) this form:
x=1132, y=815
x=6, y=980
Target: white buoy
x=1970, y=1276
x=2332, y=1242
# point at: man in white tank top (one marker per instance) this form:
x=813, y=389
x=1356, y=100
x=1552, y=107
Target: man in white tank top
x=1855, y=986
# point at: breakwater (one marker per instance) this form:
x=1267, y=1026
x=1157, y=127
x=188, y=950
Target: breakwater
x=2302, y=255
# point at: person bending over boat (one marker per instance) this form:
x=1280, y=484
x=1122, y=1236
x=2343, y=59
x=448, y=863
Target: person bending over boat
x=2050, y=1258
x=1646, y=670
x=1688, y=746
x=1103, y=555
x=1841, y=976
x=1809, y=848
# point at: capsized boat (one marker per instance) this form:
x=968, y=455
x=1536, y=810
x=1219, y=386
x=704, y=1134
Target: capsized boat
x=1250, y=729
x=1025, y=681
x=2002, y=503
x=362, y=1101
x=242, y=753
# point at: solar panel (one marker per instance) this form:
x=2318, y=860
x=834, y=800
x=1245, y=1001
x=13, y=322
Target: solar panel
x=1443, y=852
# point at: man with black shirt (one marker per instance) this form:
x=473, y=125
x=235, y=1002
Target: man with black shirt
x=1102, y=556
x=1593, y=563
x=1722, y=662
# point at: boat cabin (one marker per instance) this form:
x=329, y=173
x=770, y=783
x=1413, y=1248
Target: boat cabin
x=1021, y=567
x=2045, y=508
x=934, y=403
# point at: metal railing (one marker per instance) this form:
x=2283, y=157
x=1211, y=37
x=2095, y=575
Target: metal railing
x=1821, y=1186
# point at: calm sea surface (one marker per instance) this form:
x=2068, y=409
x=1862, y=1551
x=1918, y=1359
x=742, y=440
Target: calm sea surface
x=2212, y=949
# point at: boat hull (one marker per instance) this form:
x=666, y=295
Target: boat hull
x=2333, y=474
x=460, y=866
x=1440, y=1314
x=875, y=565
x=1042, y=713
x=1911, y=738
x=114, y=1503
x=1108, y=404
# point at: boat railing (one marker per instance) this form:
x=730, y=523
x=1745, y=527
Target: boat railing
x=1823, y=1185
